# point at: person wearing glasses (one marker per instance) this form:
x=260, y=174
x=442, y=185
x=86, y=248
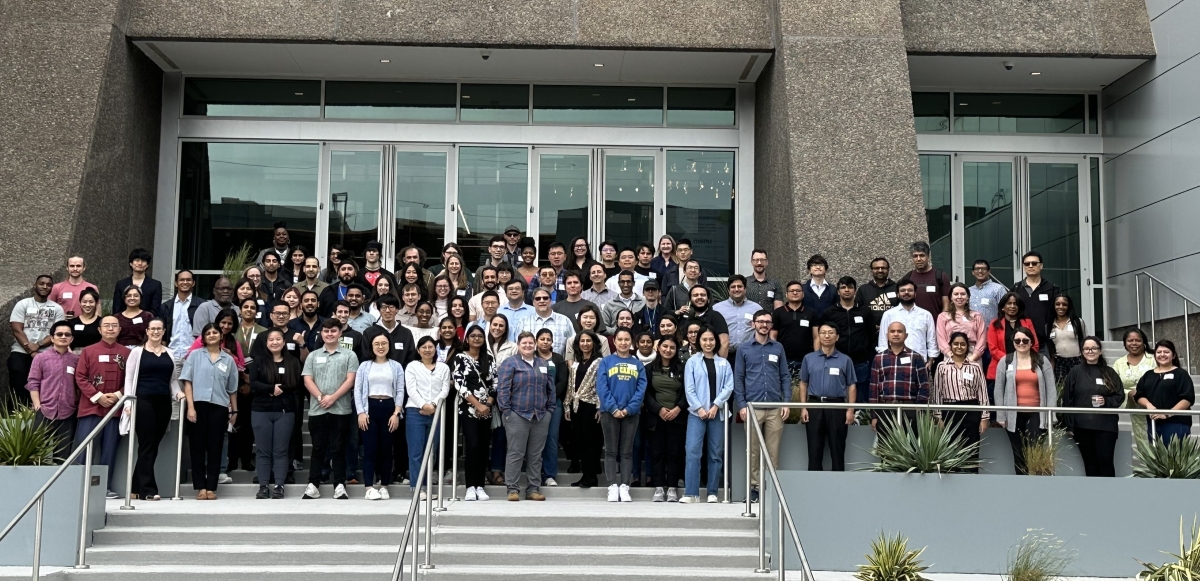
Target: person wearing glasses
x=100, y=376
x=827, y=375
x=1000, y=334
x=512, y=250
x=760, y=288
x=51, y=387
x=1038, y=294
x=544, y=317
x=1024, y=378
x=760, y=374
x=151, y=375
x=1167, y=388
x=1093, y=384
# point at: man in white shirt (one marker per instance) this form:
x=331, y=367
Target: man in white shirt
x=177, y=312
x=627, y=260
x=489, y=280
x=30, y=321
x=922, y=335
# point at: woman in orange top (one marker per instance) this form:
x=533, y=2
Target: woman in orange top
x=1024, y=378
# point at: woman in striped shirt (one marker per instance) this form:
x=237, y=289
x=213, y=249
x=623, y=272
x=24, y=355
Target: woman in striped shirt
x=960, y=381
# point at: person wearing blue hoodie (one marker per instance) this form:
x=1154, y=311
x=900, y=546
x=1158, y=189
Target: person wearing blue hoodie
x=621, y=388
x=707, y=383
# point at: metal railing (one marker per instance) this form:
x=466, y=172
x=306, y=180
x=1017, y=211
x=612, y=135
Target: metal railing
x=1155, y=282
x=427, y=469
x=84, y=447
x=767, y=466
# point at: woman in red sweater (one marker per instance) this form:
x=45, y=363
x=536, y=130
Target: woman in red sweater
x=1000, y=334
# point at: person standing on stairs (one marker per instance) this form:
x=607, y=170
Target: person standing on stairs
x=473, y=378
x=580, y=406
x=209, y=378
x=621, y=389
x=525, y=395
x=275, y=378
x=151, y=375
x=426, y=382
x=328, y=376
x=557, y=367
x=708, y=383
x=378, y=398
x=665, y=423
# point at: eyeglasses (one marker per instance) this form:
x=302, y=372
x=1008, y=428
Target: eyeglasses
x=541, y=298
x=511, y=234
x=1031, y=263
x=1021, y=341
x=1091, y=348
x=581, y=246
x=110, y=325
x=763, y=322
x=63, y=335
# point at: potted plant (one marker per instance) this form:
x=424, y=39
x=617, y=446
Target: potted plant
x=1179, y=459
x=891, y=560
x=24, y=441
x=1187, y=563
x=1040, y=556
x=927, y=447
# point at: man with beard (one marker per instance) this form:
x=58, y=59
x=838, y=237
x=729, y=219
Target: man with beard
x=496, y=252
x=698, y=311
x=879, y=294
x=273, y=284
x=312, y=273
x=306, y=329
x=921, y=335
x=488, y=278
x=358, y=319
x=207, y=312
x=281, y=240
x=760, y=288
x=738, y=313
x=66, y=293
x=373, y=270
x=627, y=299
x=795, y=327
x=347, y=275
x=30, y=322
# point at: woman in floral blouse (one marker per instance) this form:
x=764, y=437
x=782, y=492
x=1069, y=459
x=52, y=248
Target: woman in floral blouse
x=580, y=406
x=473, y=378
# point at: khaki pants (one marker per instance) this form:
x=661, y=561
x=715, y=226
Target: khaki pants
x=772, y=428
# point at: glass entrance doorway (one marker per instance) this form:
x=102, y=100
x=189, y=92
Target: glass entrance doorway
x=997, y=207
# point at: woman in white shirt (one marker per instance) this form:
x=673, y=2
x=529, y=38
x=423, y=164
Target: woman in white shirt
x=426, y=381
x=378, y=391
x=424, y=326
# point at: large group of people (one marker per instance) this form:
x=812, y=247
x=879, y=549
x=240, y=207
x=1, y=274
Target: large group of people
x=627, y=364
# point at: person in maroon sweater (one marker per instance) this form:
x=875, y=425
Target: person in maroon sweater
x=100, y=376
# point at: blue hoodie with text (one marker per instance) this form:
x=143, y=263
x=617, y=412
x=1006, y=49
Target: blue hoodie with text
x=621, y=384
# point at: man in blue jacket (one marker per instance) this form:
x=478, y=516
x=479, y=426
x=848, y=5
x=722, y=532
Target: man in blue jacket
x=760, y=374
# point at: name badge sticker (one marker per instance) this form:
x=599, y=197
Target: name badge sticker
x=1099, y=381
x=805, y=323
x=1169, y=376
x=68, y=295
x=322, y=359
x=461, y=293
x=858, y=319
x=835, y=371
x=70, y=370
x=137, y=320
x=905, y=360
x=223, y=367
x=281, y=371
x=397, y=345
x=261, y=302
x=102, y=359
x=291, y=346
x=931, y=289
x=770, y=294
x=78, y=327
x=985, y=301
x=748, y=316
x=542, y=369
x=891, y=295
x=1043, y=297
x=967, y=375
x=654, y=276
x=773, y=358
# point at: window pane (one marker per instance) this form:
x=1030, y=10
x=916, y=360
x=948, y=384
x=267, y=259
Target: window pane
x=1093, y=114
x=562, y=199
x=700, y=205
x=931, y=112
x=988, y=217
x=354, y=186
x=1017, y=113
x=598, y=105
x=935, y=185
x=407, y=101
x=1097, y=223
x=493, y=188
x=1054, y=223
x=701, y=107
x=495, y=103
x=233, y=193
x=251, y=98
x=420, y=200
x=629, y=199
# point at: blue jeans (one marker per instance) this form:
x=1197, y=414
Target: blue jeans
x=550, y=452
x=1168, y=431
x=416, y=431
x=862, y=388
x=104, y=451
x=701, y=433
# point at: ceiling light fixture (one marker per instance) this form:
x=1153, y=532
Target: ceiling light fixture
x=962, y=104
x=466, y=96
x=1034, y=74
x=385, y=60
x=631, y=100
x=598, y=65
x=299, y=94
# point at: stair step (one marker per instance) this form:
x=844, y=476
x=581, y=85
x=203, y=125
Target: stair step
x=181, y=572
x=401, y=491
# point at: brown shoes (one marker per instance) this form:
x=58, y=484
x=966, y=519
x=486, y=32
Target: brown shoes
x=202, y=495
x=514, y=496
x=212, y=495
x=535, y=496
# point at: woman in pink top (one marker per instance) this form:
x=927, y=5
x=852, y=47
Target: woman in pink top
x=961, y=319
x=226, y=321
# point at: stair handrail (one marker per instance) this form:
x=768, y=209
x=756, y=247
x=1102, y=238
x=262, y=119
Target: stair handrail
x=1154, y=280
x=414, y=504
x=766, y=465
x=84, y=447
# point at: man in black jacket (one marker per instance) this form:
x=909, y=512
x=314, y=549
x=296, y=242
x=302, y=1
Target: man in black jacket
x=856, y=333
x=347, y=275
x=1038, y=294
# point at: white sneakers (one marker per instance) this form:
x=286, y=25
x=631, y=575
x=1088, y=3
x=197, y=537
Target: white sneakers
x=224, y=479
x=689, y=499
x=624, y=491
x=551, y=482
x=339, y=492
x=312, y=491
x=476, y=493
x=373, y=493
x=471, y=494
x=659, y=496
x=613, y=493
x=672, y=495
x=712, y=499
x=384, y=494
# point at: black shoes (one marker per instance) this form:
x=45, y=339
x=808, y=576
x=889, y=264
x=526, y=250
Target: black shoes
x=586, y=482
x=753, y=495
x=277, y=493
x=263, y=493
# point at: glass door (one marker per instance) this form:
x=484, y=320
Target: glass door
x=1057, y=208
x=632, y=211
x=699, y=206
x=493, y=194
x=987, y=228
x=562, y=193
x=420, y=190
x=351, y=201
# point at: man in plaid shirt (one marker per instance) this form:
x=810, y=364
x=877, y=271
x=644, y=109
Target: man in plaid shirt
x=898, y=375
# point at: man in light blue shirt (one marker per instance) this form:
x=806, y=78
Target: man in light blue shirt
x=738, y=313
x=760, y=374
x=179, y=310
x=986, y=294
x=515, y=310
x=544, y=317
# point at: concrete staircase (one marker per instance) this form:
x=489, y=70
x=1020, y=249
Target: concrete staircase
x=1114, y=350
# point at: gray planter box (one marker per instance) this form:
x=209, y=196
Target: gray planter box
x=60, y=515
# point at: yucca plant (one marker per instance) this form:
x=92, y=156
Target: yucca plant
x=930, y=448
x=1040, y=556
x=1187, y=563
x=1041, y=458
x=237, y=262
x=1179, y=459
x=24, y=441
x=891, y=560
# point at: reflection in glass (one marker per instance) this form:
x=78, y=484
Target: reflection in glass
x=1054, y=223
x=629, y=199
x=420, y=200
x=233, y=193
x=495, y=103
x=584, y=105
x=988, y=217
x=251, y=98
x=1017, y=113
x=1097, y=215
x=931, y=111
x=695, y=107
x=406, y=101
x=700, y=205
x=935, y=185
x=354, y=188
x=563, y=199
x=493, y=191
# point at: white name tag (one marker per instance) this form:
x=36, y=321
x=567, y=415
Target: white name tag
x=985, y=301
x=397, y=345
x=835, y=371
x=322, y=359
x=68, y=295
x=748, y=316
x=70, y=370
x=905, y=360
x=281, y=370
x=542, y=369
x=891, y=295
x=967, y=375
x=462, y=293
x=261, y=302
x=931, y=289
x=1043, y=297
x=773, y=358
x=102, y=359
x=1169, y=376
x=770, y=294
x=804, y=323
x=223, y=367
x=291, y=346
x=137, y=320
x=78, y=327
x=654, y=275
x=858, y=319
x=1099, y=381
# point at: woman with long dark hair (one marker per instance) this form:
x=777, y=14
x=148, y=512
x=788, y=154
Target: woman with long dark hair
x=621, y=389
x=1000, y=335
x=958, y=380
x=1093, y=384
x=1066, y=334
x=708, y=384
x=1024, y=378
x=1167, y=388
x=85, y=328
x=447, y=341
x=209, y=378
x=1130, y=368
x=440, y=291
x=133, y=319
x=151, y=375
x=378, y=394
x=275, y=378
x=665, y=422
x=459, y=314
x=499, y=348
x=294, y=267
x=412, y=274
x=581, y=256
x=580, y=406
x=426, y=382
x=474, y=379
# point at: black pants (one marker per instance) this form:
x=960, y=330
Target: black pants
x=477, y=438
x=1027, y=429
x=64, y=429
x=241, y=441
x=272, y=432
x=153, y=418
x=667, y=451
x=588, y=440
x=328, y=432
x=204, y=441
x=18, y=376
x=965, y=425
x=399, y=453
x=296, y=445
x=1096, y=447
x=377, y=442
x=826, y=425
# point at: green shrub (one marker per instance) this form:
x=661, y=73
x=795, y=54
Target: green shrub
x=930, y=448
x=1179, y=459
x=891, y=560
x=25, y=442
x=237, y=262
x=1040, y=556
x=1041, y=458
x=1187, y=564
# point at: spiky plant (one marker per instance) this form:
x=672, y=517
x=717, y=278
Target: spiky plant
x=24, y=441
x=891, y=560
x=237, y=262
x=1040, y=556
x=1186, y=566
x=929, y=448
x=1179, y=459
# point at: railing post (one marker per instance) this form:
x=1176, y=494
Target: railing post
x=726, y=470
x=129, y=457
x=441, y=459
x=81, y=558
x=438, y=417
x=763, y=567
x=37, y=540
x=749, y=417
x=454, y=452
x=1137, y=297
x=1050, y=430
x=1153, y=329
x=179, y=449
x=779, y=531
